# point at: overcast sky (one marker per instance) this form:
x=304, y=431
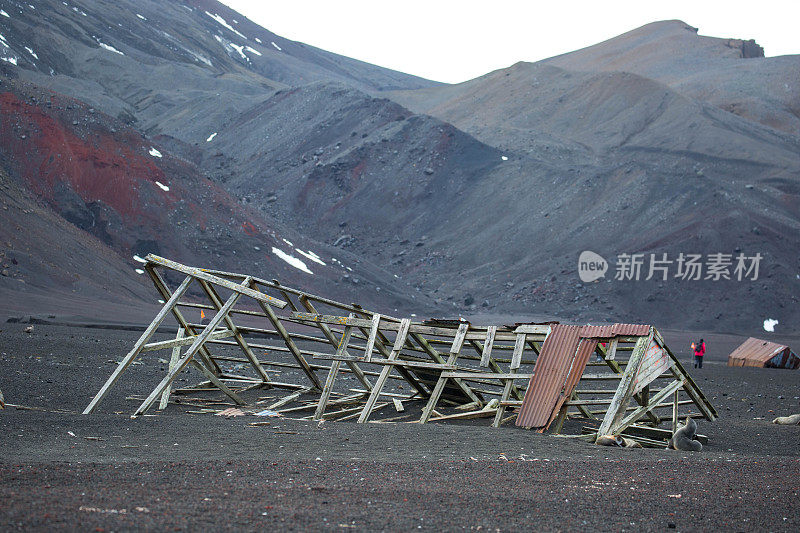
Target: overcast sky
x=453, y=41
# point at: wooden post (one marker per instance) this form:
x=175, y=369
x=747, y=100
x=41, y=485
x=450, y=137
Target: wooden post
x=128, y=359
x=332, y=339
x=290, y=343
x=675, y=412
x=625, y=389
x=399, y=342
x=335, y=364
x=217, y=303
x=163, y=290
x=516, y=360
x=455, y=348
x=190, y=353
x=176, y=352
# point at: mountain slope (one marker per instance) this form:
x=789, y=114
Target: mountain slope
x=475, y=198
x=732, y=74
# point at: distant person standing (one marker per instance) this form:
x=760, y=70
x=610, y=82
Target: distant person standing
x=699, y=352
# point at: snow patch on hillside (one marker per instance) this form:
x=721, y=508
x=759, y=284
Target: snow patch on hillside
x=224, y=23
x=292, y=260
x=310, y=255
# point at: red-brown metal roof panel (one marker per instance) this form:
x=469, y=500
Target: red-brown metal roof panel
x=550, y=375
x=585, y=349
x=754, y=352
x=615, y=330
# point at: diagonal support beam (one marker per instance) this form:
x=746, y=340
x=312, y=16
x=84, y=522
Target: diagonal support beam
x=237, y=335
x=192, y=351
x=128, y=359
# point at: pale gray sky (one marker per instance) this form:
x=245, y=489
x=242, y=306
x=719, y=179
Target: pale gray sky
x=453, y=41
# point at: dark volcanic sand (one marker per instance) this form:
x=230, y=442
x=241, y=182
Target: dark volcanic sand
x=188, y=471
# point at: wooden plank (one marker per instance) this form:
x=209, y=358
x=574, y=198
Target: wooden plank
x=402, y=334
x=655, y=401
x=541, y=329
x=516, y=358
x=173, y=360
x=183, y=340
x=137, y=347
x=611, y=351
x=190, y=353
x=433, y=354
x=248, y=353
x=675, y=412
x=486, y=375
x=166, y=294
x=380, y=343
x=373, y=335
x=326, y=331
x=519, y=346
x=625, y=389
x=288, y=399
x=287, y=339
x=455, y=348
x=690, y=386
x=487, y=345
x=495, y=367
x=328, y=388
x=214, y=380
x=205, y=276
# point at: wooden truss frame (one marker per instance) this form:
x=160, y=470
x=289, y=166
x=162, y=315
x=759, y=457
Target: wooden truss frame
x=477, y=371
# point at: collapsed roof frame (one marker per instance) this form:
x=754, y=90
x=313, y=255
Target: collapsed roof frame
x=444, y=362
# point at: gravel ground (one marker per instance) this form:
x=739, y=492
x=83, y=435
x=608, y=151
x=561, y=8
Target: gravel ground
x=178, y=471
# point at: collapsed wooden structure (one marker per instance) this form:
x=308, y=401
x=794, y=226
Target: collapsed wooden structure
x=541, y=375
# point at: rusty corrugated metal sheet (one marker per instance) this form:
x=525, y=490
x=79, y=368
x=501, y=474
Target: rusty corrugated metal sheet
x=615, y=330
x=755, y=352
x=550, y=374
x=584, y=352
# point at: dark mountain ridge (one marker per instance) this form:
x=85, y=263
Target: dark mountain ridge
x=472, y=198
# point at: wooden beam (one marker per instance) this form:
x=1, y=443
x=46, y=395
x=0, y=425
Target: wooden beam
x=137, y=347
x=193, y=349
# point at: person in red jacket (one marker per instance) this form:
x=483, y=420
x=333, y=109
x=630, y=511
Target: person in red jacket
x=699, y=352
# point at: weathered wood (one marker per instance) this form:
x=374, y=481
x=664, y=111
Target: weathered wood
x=611, y=351
x=436, y=356
x=400, y=340
x=328, y=388
x=486, y=355
x=332, y=339
x=690, y=386
x=137, y=347
x=656, y=400
x=173, y=360
x=204, y=275
x=675, y=412
x=273, y=318
x=516, y=357
x=193, y=349
x=215, y=380
x=248, y=353
x=166, y=294
x=455, y=348
x=625, y=389
x=373, y=335
x=183, y=340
